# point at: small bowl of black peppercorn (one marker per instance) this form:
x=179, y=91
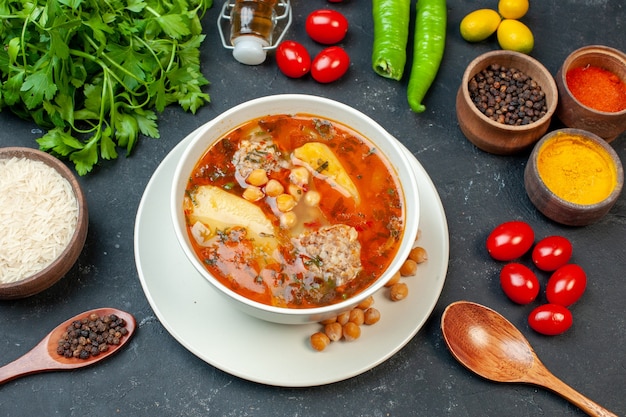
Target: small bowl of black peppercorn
x=505, y=102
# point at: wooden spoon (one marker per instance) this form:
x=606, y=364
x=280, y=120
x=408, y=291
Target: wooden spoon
x=491, y=346
x=44, y=356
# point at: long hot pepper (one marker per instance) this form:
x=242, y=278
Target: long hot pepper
x=428, y=47
x=391, y=34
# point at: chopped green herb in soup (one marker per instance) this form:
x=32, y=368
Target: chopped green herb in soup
x=294, y=211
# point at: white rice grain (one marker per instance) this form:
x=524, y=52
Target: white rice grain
x=38, y=216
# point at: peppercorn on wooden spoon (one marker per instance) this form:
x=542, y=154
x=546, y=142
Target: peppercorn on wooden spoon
x=44, y=357
x=488, y=344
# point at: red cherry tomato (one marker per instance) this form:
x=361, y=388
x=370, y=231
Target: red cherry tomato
x=552, y=252
x=330, y=64
x=293, y=59
x=566, y=285
x=519, y=283
x=510, y=240
x=550, y=319
x=326, y=26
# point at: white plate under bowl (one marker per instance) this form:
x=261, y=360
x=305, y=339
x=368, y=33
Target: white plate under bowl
x=275, y=354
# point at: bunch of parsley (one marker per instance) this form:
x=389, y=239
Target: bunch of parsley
x=93, y=72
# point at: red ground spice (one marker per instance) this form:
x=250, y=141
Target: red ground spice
x=597, y=88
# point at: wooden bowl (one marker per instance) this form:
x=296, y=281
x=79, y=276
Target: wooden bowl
x=490, y=135
x=48, y=276
x=574, y=114
x=569, y=190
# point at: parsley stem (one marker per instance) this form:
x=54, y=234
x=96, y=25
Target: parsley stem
x=151, y=10
x=153, y=53
x=107, y=71
x=111, y=61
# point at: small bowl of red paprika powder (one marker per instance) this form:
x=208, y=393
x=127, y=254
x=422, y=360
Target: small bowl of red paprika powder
x=592, y=91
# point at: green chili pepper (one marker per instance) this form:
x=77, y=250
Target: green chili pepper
x=429, y=43
x=391, y=34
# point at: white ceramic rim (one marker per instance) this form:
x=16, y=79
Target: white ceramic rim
x=307, y=104
x=176, y=292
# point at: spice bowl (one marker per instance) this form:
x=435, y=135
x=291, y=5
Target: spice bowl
x=573, y=177
x=495, y=131
x=572, y=112
x=39, y=245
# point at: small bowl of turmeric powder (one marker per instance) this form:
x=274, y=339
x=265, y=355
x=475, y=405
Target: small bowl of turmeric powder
x=573, y=176
x=592, y=91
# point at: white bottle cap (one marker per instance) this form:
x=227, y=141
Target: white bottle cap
x=249, y=50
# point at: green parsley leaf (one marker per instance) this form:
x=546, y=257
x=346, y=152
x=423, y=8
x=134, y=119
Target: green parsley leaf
x=37, y=86
x=96, y=74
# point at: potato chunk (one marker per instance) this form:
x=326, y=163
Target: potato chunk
x=214, y=206
x=323, y=163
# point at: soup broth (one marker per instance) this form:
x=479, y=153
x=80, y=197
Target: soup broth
x=294, y=211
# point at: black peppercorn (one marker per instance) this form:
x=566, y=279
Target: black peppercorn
x=507, y=96
x=91, y=336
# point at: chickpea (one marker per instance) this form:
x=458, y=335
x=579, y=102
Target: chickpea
x=274, y=188
x=334, y=331
x=343, y=318
x=365, y=304
x=299, y=176
x=357, y=316
x=312, y=198
x=295, y=191
x=328, y=321
x=372, y=315
x=351, y=331
x=258, y=177
x=319, y=341
x=285, y=202
x=395, y=278
x=408, y=268
x=418, y=254
x=253, y=193
x=399, y=291
x=288, y=220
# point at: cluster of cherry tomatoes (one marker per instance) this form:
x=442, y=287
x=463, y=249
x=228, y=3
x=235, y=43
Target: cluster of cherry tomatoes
x=510, y=241
x=326, y=27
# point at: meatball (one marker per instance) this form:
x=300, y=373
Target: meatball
x=259, y=152
x=334, y=252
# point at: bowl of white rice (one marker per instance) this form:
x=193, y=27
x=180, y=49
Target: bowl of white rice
x=43, y=221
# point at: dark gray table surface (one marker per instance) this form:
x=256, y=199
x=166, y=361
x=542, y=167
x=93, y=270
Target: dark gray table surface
x=157, y=376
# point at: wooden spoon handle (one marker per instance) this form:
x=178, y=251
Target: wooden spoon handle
x=548, y=380
x=32, y=362
x=14, y=370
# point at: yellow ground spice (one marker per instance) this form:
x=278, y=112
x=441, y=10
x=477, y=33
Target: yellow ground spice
x=577, y=169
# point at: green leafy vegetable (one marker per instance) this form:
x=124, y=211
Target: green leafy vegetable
x=93, y=72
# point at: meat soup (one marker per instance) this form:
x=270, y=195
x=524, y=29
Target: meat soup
x=294, y=211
